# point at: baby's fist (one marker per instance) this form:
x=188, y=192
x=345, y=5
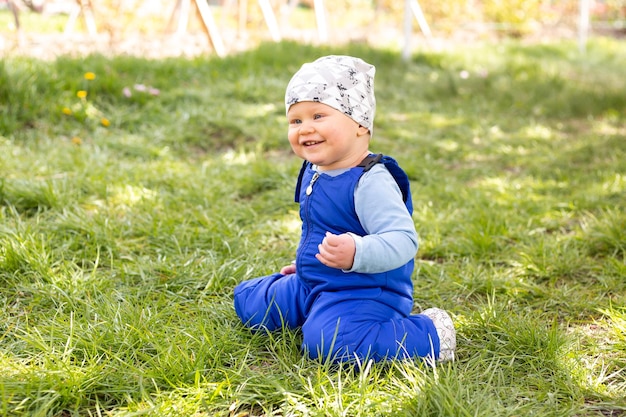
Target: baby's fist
x=337, y=251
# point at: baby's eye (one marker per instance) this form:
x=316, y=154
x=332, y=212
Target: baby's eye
x=295, y=121
x=317, y=116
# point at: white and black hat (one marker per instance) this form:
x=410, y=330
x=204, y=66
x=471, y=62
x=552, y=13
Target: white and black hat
x=344, y=83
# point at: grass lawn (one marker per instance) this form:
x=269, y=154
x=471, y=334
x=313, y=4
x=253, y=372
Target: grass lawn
x=135, y=194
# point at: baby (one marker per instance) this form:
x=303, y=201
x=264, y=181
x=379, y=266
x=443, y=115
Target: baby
x=350, y=287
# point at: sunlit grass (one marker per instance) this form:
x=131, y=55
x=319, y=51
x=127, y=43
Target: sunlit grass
x=121, y=242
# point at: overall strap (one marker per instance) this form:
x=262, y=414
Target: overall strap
x=299, y=183
x=370, y=161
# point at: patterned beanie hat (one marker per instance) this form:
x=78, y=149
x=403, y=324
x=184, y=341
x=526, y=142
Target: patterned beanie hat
x=342, y=82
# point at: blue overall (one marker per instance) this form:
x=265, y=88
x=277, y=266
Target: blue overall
x=343, y=315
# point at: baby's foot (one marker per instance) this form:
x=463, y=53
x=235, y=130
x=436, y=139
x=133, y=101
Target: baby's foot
x=445, y=331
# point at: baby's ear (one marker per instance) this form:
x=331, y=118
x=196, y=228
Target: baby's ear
x=362, y=131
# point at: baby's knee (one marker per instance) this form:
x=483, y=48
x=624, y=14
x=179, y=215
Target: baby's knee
x=249, y=306
x=267, y=303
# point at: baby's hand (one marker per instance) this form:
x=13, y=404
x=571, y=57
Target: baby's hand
x=289, y=269
x=337, y=251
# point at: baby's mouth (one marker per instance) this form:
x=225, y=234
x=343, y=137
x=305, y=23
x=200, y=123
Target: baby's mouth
x=311, y=143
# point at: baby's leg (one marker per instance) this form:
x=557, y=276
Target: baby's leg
x=270, y=302
x=341, y=329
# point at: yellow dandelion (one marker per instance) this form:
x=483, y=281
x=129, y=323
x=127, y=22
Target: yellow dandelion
x=81, y=94
x=76, y=140
x=90, y=76
x=67, y=111
x=105, y=122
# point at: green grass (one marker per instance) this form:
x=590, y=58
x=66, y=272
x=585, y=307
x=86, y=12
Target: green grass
x=120, y=245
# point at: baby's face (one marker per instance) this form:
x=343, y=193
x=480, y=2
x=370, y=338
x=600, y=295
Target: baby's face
x=325, y=136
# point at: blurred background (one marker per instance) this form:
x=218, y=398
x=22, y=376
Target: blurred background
x=154, y=28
